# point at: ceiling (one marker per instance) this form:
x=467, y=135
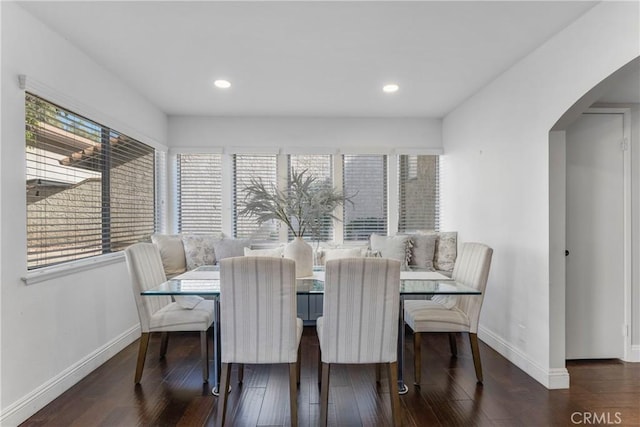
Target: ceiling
x=307, y=58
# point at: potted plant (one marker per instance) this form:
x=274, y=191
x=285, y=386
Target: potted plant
x=303, y=208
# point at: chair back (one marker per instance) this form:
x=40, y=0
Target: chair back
x=146, y=271
x=472, y=269
x=361, y=303
x=258, y=310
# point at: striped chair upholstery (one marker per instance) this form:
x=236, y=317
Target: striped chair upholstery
x=360, y=320
x=258, y=323
x=472, y=269
x=159, y=313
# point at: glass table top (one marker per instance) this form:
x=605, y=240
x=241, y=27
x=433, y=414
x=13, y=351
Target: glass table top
x=205, y=281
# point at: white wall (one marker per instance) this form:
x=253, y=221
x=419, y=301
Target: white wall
x=497, y=188
x=55, y=332
x=322, y=134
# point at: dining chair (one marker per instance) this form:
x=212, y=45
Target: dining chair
x=472, y=269
x=359, y=324
x=160, y=313
x=258, y=323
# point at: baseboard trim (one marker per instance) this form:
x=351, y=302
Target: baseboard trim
x=635, y=354
x=19, y=411
x=556, y=378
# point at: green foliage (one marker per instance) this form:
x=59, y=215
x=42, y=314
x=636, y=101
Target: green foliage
x=39, y=112
x=303, y=208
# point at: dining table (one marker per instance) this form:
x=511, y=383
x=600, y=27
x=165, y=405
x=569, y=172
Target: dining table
x=204, y=281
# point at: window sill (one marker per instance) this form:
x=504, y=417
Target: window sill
x=55, y=271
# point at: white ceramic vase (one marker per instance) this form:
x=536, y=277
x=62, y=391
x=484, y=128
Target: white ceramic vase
x=302, y=253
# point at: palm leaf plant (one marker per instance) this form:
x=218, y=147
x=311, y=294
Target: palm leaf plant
x=303, y=208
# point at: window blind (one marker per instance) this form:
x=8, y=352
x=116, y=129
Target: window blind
x=246, y=167
x=319, y=167
x=365, y=178
x=199, y=193
x=90, y=189
x=419, y=192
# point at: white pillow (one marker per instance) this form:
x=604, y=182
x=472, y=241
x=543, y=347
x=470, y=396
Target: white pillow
x=188, y=301
x=272, y=252
x=330, y=254
x=172, y=253
x=228, y=248
x=199, y=249
x=394, y=247
x=445, y=255
x=423, y=250
x=448, y=301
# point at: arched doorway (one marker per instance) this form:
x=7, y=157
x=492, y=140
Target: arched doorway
x=618, y=93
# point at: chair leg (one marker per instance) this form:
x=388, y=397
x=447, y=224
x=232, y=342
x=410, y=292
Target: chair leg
x=204, y=354
x=473, y=340
x=224, y=392
x=164, y=343
x=142, y=355
x=319, y=367
x=453, y=345
x=298, y=364
x=324, y=394
x=393, y=391
x=417, y=358
x=293, y=392
x=240, y=373
x=378, y=373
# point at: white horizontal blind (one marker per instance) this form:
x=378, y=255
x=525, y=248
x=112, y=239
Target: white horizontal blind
x=90, y=189
x=419, y=192
x=365, y=178
x=318, y=166
x=245, y=167
x=199, y=193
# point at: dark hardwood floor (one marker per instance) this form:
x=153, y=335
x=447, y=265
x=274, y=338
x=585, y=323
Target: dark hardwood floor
x=172, y=394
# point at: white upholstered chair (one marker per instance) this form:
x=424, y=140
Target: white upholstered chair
x=159, y=313
x=258, y=323
x=360, y=321
x=472, y=269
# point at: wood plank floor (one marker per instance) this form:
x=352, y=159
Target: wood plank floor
x=172, y=394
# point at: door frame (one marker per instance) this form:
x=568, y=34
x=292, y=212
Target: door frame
x=625, y=145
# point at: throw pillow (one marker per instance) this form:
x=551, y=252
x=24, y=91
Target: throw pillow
x=199, y=249
x=172, y=253
x=227, y=248
x=394, y=247
x=272, y=252
x=330, y=254
x=423, y=251
x=188, y=301
x=446, y=249
x=448, y=301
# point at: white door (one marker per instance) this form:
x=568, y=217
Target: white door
x=595, y=239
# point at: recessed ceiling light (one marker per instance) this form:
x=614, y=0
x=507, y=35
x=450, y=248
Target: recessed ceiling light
x=390, y=88
x=222, y=84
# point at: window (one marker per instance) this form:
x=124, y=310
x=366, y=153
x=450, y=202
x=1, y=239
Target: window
x=320, y=167
x=415, y=205
x=90, y=189
x=199, y=193
x=365, y=178
x=246, y=167
x=419, y=191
